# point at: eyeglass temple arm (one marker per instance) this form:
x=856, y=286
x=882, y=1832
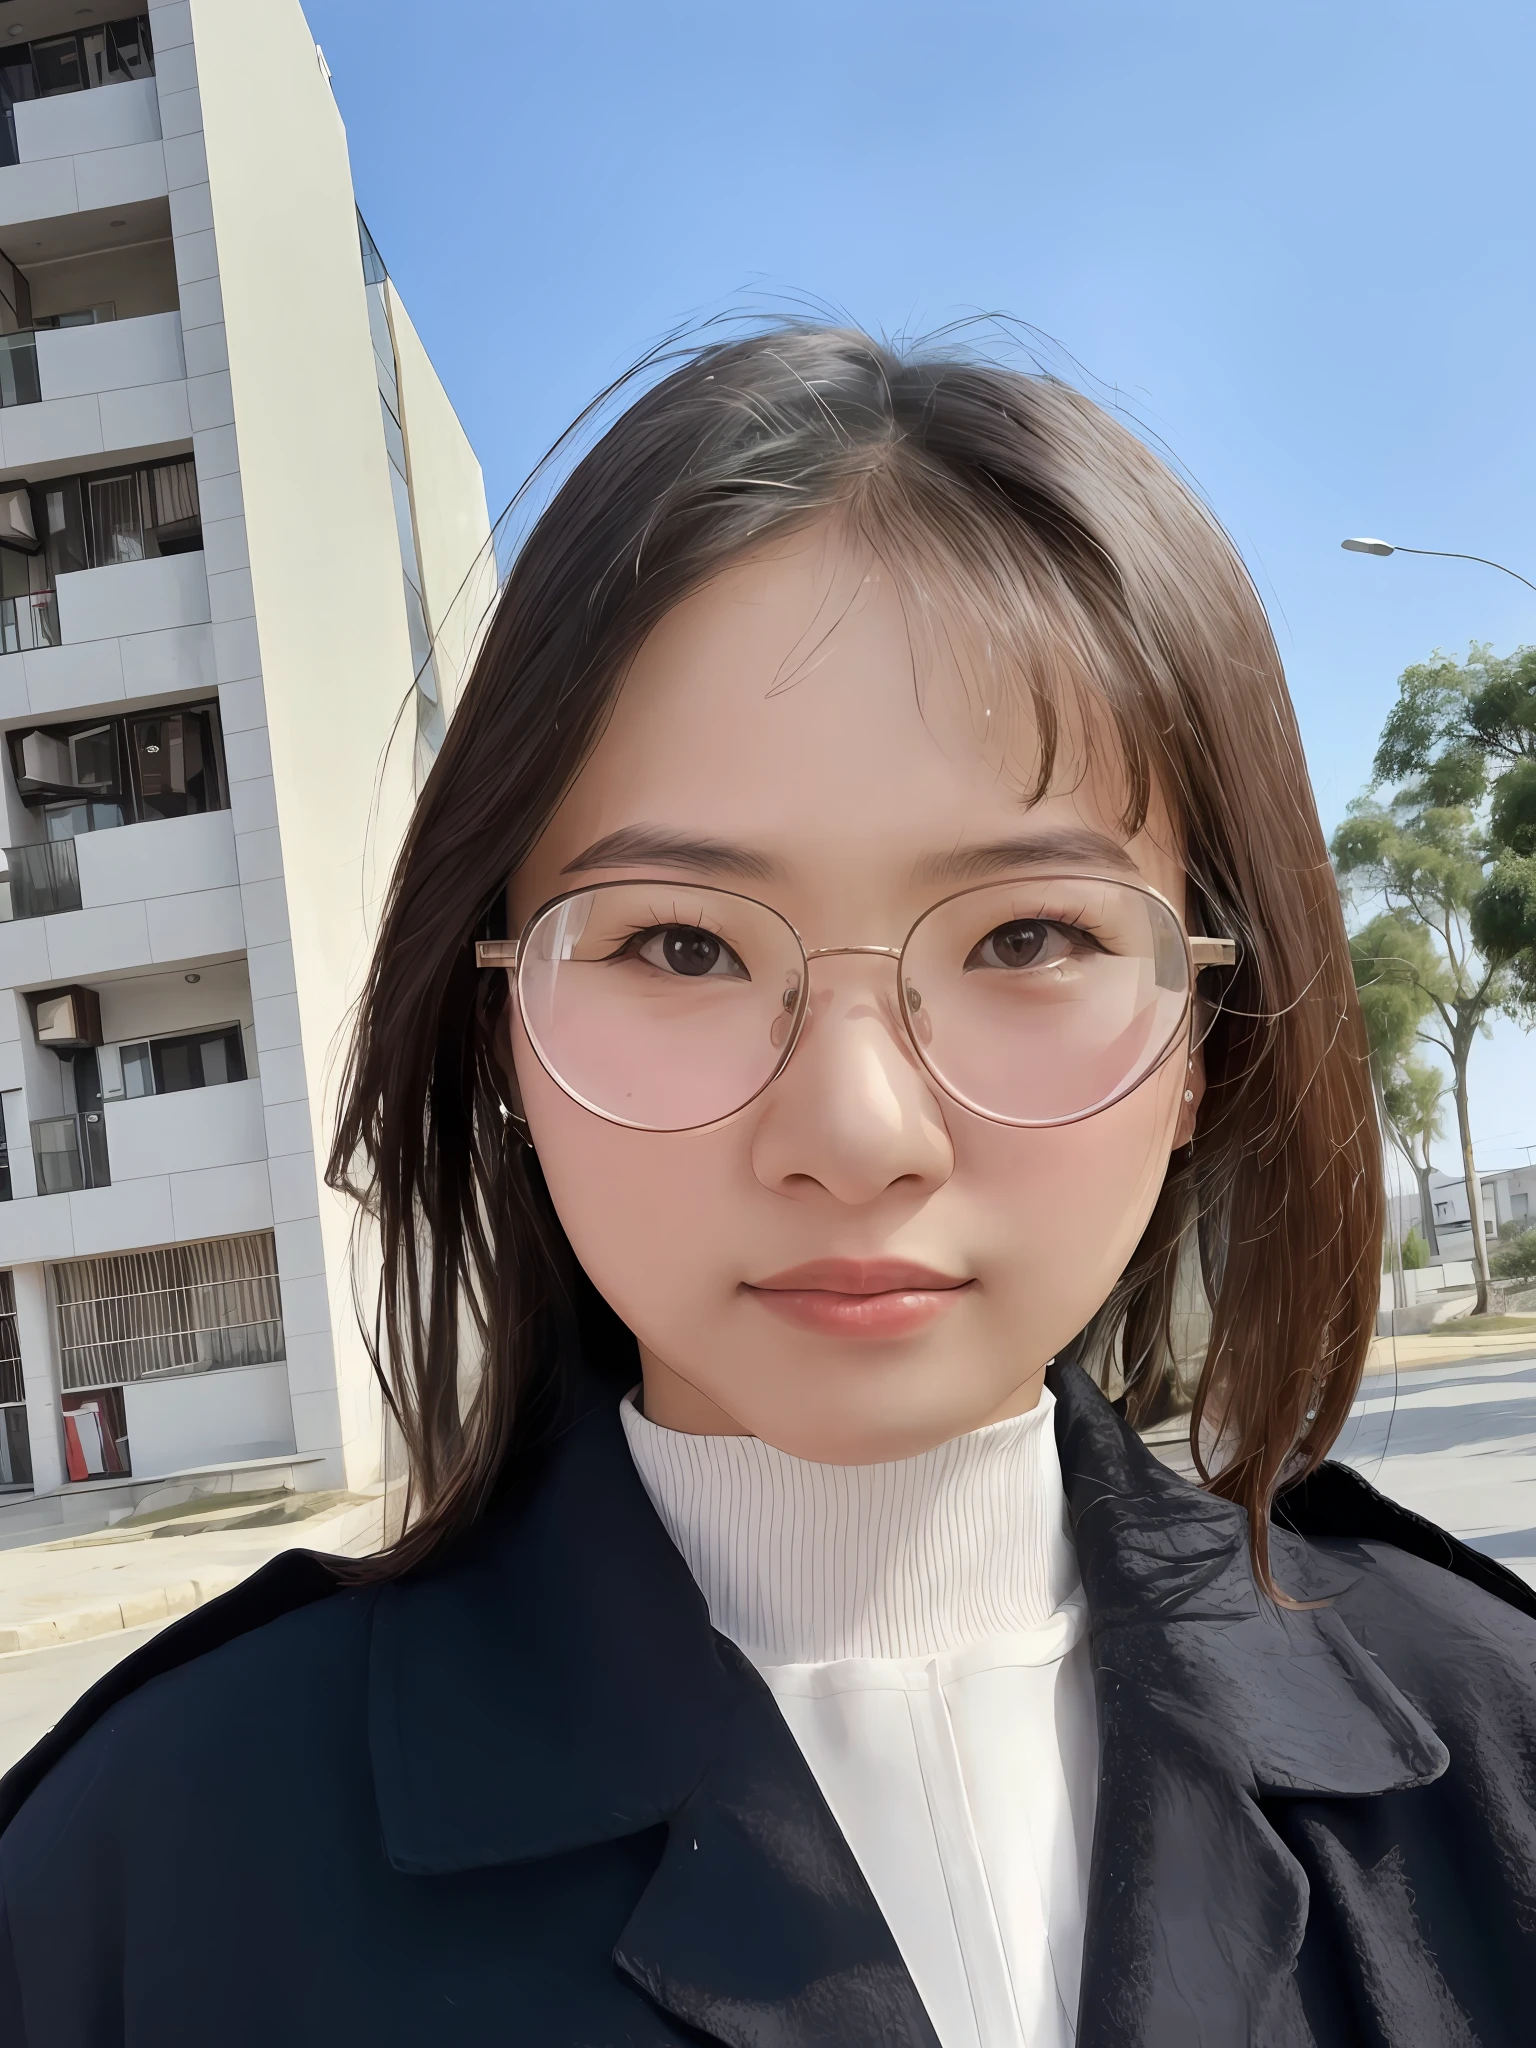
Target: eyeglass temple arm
x=1203, y=952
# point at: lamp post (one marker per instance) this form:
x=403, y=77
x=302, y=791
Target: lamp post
x=1387, y=547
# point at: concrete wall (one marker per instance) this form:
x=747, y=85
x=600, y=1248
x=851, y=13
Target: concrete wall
x=308, y=550
x=100, y=176
x=133, y=597
x=156, y=664
x=205, y=1418
x=107, y=117
x=184, y=1132
x=448, y=503
x=114, y=355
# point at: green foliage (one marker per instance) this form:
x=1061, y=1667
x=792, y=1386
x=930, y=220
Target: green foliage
x=1445, y=869
x=1413, y=1094
x=1512, y=815
x=1515, y=1258
x=1415, y=1251
x=1504, y=922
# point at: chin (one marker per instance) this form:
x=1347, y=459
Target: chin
x=871, y=1412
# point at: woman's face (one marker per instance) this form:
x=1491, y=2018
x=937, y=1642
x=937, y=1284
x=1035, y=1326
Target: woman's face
x=853, y=1267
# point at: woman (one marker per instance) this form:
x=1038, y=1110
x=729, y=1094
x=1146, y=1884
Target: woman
x=867, y=926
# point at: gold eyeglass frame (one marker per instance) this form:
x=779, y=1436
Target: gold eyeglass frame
x=1200, y=952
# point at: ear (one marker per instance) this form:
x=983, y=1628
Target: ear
x=496, y=1023
x=1189, y=1104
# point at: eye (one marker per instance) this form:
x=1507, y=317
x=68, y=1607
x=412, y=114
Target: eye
x=687, y=949
x=1029, y=942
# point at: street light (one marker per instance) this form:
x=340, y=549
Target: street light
x=1387, y=547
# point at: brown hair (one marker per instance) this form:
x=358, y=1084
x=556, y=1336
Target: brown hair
x=1102, y=572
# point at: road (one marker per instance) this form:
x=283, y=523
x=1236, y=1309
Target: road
x=1457, y=1443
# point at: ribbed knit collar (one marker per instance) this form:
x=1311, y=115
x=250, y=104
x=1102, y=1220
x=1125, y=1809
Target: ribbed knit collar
x=804, y=1563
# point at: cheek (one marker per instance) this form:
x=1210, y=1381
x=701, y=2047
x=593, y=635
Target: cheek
x=1067, y=1206
x=648, y=1213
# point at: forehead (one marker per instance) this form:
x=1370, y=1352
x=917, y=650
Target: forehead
x=813, y=705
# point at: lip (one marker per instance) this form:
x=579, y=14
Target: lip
x=859, y=1297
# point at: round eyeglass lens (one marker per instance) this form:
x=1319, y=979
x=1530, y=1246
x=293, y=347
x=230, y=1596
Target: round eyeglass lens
x=660, y=1005
x=1039, y=1001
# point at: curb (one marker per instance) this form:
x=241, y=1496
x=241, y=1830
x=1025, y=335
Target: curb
x=82, y=1624
x=166, y=1603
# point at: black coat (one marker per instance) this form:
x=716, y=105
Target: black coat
x=530, y=1797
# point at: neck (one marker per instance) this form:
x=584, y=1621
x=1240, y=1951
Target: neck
x=802, y=1562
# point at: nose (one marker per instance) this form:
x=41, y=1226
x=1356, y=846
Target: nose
x=853, y=1114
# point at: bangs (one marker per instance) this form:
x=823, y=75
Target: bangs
x=1056, y=685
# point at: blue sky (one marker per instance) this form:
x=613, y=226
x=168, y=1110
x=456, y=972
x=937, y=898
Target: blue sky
x=1294, y=243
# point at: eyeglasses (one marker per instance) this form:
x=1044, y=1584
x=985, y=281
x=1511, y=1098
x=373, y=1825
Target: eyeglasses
x=665, y=1007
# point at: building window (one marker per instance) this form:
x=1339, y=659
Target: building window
x=96, y=1435
x=121, y=771
x=15, y=1445
x=199, y=1059
x=188, y=1308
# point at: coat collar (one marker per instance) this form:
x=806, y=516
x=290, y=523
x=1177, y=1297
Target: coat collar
x=569, y=1630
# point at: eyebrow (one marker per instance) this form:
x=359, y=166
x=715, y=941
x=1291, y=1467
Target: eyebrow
x=649, y=846
x=1077, y=845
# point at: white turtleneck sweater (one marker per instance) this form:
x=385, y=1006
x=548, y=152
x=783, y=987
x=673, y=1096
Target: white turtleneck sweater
x=921, y=1626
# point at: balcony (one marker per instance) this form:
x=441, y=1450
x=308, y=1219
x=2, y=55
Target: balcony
x=150, y=895
x=164, y=1169
x=80, y=151
x=76, y=394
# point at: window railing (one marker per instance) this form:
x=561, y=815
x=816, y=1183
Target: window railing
x=39, y=880
x=18, y=369
x=29, y=622
x=70, y=1153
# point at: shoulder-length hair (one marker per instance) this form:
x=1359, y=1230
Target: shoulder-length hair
x=1068, y=544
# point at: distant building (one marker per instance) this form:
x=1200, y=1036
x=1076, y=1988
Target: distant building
x=235, y=508
x=1508, y=1201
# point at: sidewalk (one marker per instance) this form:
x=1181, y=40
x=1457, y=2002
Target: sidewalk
x=1451, y=1342
x=163, y=1563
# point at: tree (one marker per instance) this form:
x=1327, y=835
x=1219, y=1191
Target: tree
x=1394, y=1006
x=1415, y=1252
x=1452, y=857
x=1413, y=1096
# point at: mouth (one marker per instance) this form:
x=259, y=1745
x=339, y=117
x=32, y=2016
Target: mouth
x=859, y=1297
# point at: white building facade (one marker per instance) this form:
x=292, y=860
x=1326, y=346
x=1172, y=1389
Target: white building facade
x=235, y=508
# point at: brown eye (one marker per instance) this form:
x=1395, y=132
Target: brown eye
x=686, y=949
x=1013, y=945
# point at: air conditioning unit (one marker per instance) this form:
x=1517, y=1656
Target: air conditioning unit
x=16, y=527
x=46, y=759
x=68, y=1019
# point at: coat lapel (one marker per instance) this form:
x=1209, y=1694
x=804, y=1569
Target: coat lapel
x=1209, y=1697
x=567, y=1629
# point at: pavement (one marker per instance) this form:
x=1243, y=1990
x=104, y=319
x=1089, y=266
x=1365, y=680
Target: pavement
x=71, y=1608
x=1445, y=1424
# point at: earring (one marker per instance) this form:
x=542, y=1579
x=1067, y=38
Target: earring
x=1189, y=1093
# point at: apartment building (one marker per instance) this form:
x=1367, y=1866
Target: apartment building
x=236, y=511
